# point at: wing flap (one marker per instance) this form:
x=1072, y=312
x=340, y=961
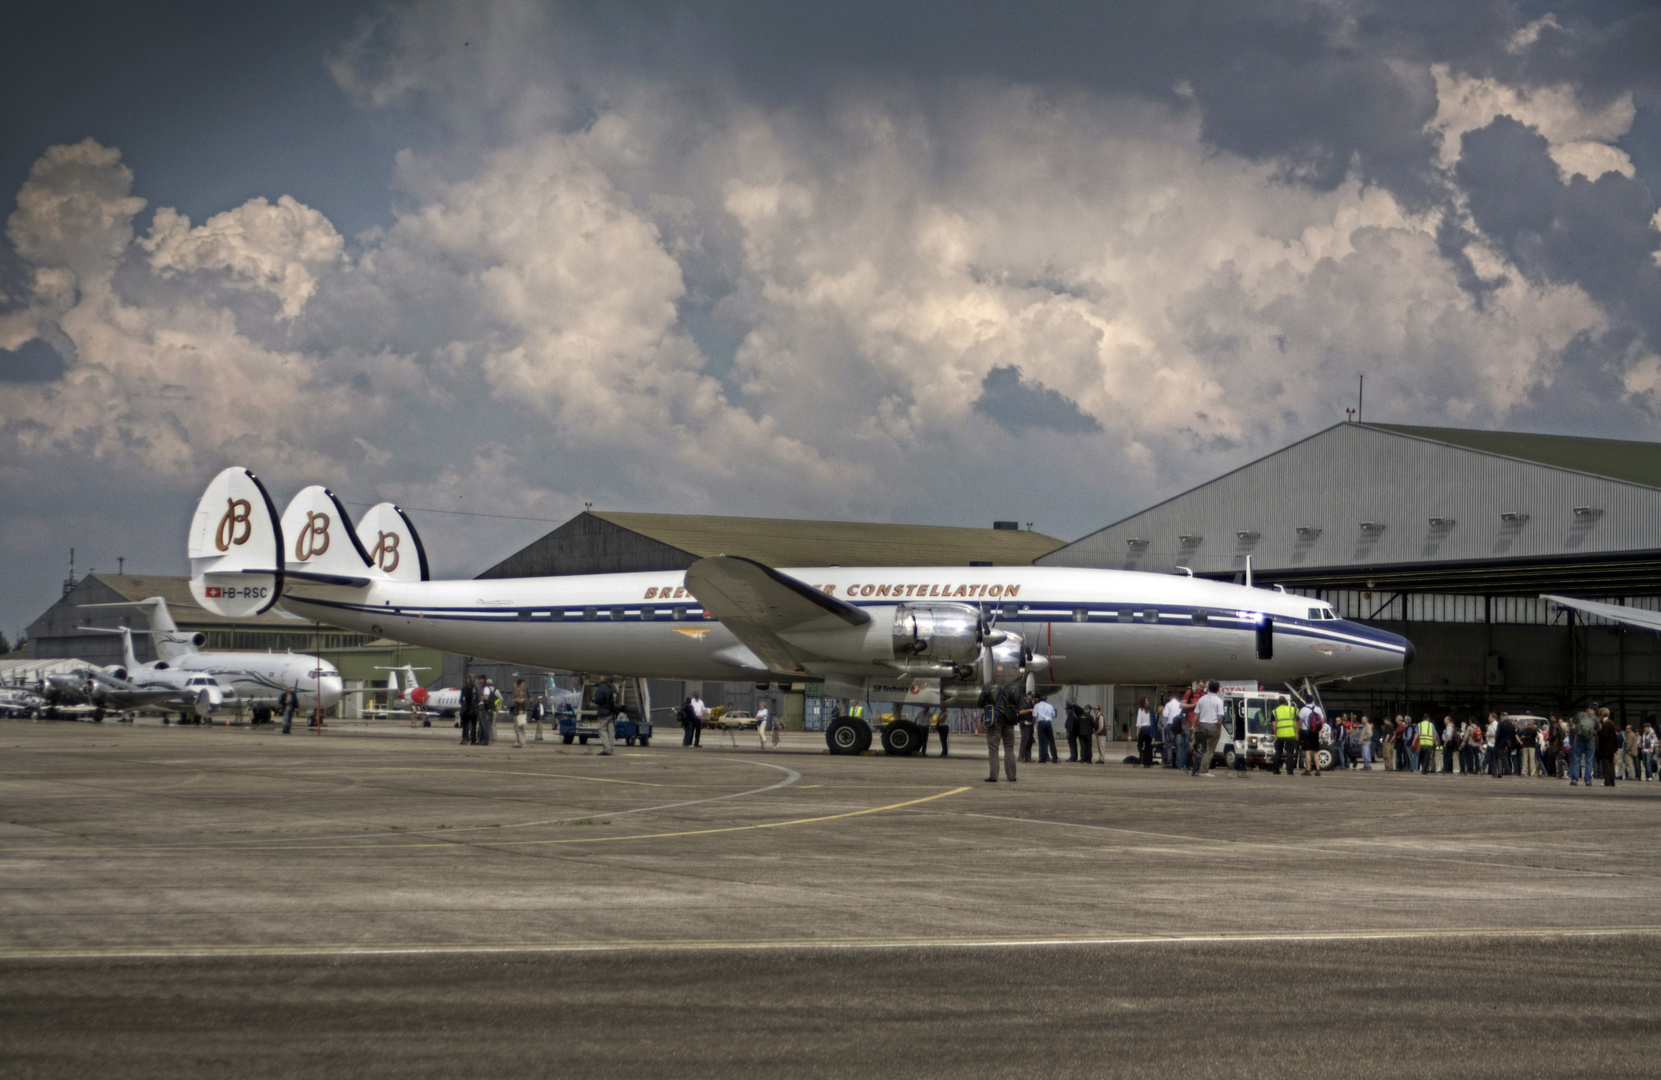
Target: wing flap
x=757, y=603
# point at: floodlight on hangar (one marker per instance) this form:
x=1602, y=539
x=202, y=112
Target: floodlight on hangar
x=1441, y=523
x=1248, y=536
x=1512, y=517
x=1308, y=532
x=1587, y=513
x=1371, y=527
x=1189, y=539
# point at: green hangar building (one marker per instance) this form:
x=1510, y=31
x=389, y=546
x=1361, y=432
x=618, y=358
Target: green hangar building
x=1449, y=537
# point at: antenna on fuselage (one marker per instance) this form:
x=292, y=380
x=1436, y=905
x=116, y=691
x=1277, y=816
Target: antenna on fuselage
x=1248, y=571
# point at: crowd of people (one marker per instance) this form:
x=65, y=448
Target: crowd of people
x=1585, y=746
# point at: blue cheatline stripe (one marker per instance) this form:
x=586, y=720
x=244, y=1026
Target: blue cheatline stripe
x=1337, y=630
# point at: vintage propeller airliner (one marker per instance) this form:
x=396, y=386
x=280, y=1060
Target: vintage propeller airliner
x=941, y=635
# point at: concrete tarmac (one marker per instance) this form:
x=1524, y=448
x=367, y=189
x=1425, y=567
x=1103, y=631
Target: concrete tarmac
x=381, y=901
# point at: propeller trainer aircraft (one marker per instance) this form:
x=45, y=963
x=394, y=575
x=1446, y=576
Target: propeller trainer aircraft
x=939, y=635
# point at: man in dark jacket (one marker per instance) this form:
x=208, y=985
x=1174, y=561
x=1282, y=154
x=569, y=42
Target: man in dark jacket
x=1609, y=743
x=605, y=714
x=1505, y=741
x=470, y=711
x=1000, y=730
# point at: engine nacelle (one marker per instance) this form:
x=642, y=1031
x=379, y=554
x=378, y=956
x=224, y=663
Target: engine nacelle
x=941, y=633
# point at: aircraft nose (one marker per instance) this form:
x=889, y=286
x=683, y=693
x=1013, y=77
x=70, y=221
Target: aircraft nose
x=1407, y=656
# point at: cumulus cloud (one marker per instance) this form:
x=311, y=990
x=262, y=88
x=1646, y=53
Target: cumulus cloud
x=280, y=248
x=654, y=286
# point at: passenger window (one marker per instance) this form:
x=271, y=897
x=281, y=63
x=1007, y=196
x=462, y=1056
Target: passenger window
x=1127, y=615
x=525, y=615
x=1080, y=615
x=590, y=614
x=1151, y=615
x=1199, y=618
x=647, y=614
x=556, y=613
x=679, y=614
x=1012, y=611
x=616, y=614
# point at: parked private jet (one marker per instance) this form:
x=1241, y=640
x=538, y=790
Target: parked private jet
x=255, y=678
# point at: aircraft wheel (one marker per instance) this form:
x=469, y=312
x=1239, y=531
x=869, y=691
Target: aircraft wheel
x=98, y=716
x=1230, y=758
x=1323, y=758
x=865, y=734
x=844, y=736
x=900, y=738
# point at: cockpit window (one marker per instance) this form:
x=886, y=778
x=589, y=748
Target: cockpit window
x=1320, y=613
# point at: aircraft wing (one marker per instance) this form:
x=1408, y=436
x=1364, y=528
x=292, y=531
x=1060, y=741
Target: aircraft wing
x=128, y=695
x=1643, y=620
x=758, y=604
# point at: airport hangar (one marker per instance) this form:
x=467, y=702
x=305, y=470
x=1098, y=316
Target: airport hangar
x=1448, y=537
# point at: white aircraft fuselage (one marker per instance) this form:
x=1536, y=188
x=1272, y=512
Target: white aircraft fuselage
x=1094, y=626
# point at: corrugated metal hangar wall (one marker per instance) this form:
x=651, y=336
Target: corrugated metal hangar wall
x=1447, y=537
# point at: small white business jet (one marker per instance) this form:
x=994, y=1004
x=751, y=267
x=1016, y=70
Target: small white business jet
x=254, y=678
x=940, y=635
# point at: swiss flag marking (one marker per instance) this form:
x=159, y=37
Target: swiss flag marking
x=213, y=592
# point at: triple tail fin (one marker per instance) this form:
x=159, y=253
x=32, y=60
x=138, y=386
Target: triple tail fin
x=322, y=545
x=235, y=547
x=393, y=546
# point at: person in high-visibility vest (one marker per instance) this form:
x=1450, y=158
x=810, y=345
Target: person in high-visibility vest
x=1286, y=736
x=1427, y=745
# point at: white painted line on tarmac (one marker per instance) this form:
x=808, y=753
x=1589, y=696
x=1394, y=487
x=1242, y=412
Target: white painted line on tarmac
x=811, y=944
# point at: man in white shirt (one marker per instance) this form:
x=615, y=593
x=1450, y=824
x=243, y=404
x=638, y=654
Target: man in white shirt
x=700, y=713
x=763, y=722
x=1170, y=720
x=1043, y=713
x=1208, y=727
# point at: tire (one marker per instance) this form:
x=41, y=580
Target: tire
x=1323, y=758
x=629, y=741
x=846, y=736
x=566, y=739
x=1230, y=758
x=647, y=741
x=901, y=738
x=865, y=737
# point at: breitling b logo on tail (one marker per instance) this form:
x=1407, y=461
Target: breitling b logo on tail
x=236, y=513
x=385, y=552
x=314, y=536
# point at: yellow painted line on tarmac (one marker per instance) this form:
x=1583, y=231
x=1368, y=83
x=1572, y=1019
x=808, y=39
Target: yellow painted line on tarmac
x=459, y=845
x=812, y=943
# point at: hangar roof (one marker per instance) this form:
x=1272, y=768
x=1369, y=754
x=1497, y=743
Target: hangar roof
x=608, y=542
x=1421, y=509
x=1618, y=459
x=792, y=542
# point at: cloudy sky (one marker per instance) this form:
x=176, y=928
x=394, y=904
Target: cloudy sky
x=928, y=262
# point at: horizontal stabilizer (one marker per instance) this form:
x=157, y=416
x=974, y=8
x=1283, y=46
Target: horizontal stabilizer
x=235, y=547
x=388, y=535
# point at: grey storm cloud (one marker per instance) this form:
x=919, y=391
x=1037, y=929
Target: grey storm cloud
x=1592, y=233
x=1018, y=405
x=742, y=256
